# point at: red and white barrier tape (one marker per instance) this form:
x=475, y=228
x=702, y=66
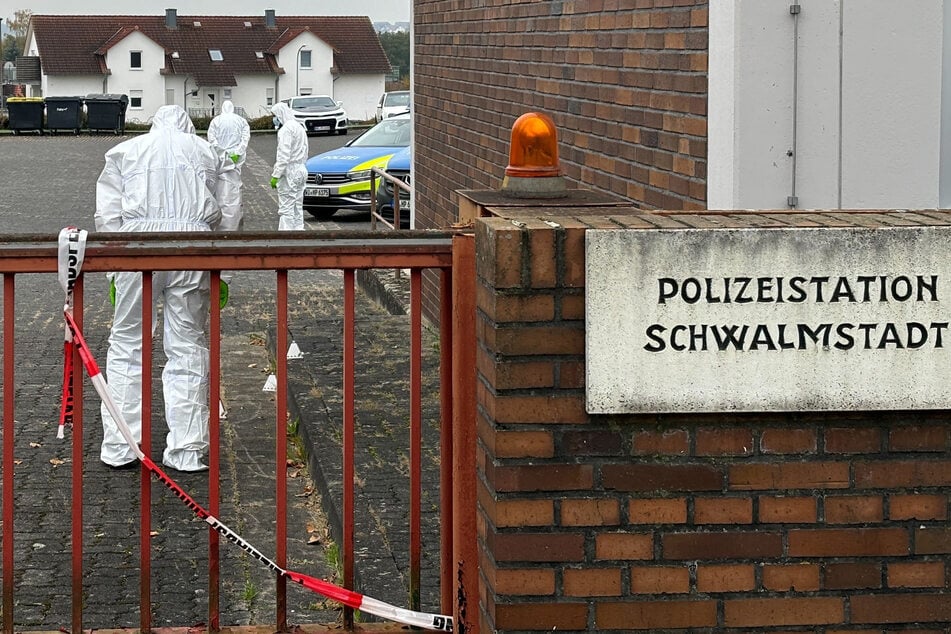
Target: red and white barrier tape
x=332, y=591
x=72, y=248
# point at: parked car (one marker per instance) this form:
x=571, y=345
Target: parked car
x=392, y=103
x=319, y=113
x=340, y=179
x=398, y=167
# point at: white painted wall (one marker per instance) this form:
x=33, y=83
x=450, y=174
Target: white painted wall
x=124, y=79
x=251, y=94
x=944, y=195
x=71, y=85
x=849, y=118
x=318, y=78
x=359, y=94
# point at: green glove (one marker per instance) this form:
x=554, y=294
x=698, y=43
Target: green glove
x=235, y=157
x=222, y=294
x=274, y=180
x=112, y=291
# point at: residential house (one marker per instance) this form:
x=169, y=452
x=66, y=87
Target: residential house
x=199, y=61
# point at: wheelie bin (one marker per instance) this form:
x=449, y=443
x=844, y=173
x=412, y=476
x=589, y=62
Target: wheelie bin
x=26, y=113
x=106, y=112
x=64, y=113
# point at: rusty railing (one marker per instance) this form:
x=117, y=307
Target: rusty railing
x=278, y=252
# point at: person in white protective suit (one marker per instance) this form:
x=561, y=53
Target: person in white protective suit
x=165, y=180
x=290, y=173
x=230, y=133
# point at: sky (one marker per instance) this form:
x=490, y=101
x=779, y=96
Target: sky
x=377, y=10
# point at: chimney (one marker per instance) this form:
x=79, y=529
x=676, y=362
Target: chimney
x=171, y=19
x=269, y=19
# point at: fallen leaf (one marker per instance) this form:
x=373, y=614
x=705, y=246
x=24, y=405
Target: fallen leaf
x=35, y=444
x=313, y=539
x=56, y=462
x=153, y=533
x=293, y=474
x=253, y=365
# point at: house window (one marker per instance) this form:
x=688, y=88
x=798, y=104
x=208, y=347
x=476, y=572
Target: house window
x=215, y=54
x=270, y=97
x=135, y=60
x=306, y=91
x=305, y=59
x=226, y=93
x=135, y=99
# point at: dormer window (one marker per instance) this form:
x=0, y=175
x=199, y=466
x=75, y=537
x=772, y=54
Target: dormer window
x=135, y=60
x=215, y=54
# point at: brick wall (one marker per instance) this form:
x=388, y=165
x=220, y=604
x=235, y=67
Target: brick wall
x=625, y=82
x=827, y=522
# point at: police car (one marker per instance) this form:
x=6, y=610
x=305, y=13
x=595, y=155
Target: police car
x=340, y=179
x=399, y=168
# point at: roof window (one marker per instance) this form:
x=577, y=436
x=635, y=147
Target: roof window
x=196, y=24
x=247, y=25
x=259, y=54
x=215, y=54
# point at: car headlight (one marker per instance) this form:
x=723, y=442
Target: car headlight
x=359, y=175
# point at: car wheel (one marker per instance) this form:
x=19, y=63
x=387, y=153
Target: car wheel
x=321, y=214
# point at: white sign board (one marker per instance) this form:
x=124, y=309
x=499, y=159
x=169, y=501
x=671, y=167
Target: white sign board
x=768, y=320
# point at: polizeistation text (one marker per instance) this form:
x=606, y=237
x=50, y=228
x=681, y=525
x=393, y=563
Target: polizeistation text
x=840, y=335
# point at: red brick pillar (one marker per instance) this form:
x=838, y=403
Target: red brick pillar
x=726, y=522
x=530, y=359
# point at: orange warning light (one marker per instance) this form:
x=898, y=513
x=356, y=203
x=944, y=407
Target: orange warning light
x=534, y=147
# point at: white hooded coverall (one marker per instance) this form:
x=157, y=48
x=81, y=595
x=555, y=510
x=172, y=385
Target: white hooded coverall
x=164, y=180
x=292, y=149
x=230, y=133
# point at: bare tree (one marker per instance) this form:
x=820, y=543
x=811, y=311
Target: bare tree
x=14, y=41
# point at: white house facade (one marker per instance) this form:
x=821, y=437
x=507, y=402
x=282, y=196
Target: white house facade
x=198, y=62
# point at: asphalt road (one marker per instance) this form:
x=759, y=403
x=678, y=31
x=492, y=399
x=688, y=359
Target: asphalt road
x=69, y=170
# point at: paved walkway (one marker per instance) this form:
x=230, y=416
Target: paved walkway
x=179, y=586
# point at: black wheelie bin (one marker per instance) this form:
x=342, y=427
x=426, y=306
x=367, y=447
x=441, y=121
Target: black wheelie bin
x=26, y=113
x=106, y=112
x=64, y=113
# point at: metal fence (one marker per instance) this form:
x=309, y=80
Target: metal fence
x=278, y=252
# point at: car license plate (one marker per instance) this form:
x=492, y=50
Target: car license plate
x=319, y=192
x=406, y=205
x=320, y=128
